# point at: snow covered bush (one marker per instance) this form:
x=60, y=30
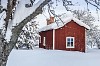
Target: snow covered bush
x=29, y=36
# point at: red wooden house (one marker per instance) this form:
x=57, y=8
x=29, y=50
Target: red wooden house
x=69, y=35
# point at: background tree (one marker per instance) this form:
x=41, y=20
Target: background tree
x=29, y=36
x=95, y=3
x=93, y=35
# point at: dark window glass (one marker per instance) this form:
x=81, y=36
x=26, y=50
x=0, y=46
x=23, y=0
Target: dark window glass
x=68, y=39
x=68, y=43
x=71, y=43
x=71, y=39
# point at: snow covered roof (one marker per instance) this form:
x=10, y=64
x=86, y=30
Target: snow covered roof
x=66, y=20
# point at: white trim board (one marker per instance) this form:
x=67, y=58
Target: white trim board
x=53, y=39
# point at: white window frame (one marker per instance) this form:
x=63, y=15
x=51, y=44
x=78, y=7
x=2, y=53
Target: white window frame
x=70, y=42
x=44, y=41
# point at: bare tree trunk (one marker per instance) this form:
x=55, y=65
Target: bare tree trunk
x=6, y=48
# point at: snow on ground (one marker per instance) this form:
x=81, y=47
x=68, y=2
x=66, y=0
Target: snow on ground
x=41, y=57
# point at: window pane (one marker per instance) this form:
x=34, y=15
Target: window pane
x=68, y=39
x=71, y=43
x=68, y=43
x=71, y=39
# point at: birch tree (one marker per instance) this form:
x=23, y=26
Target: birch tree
x=14, y=21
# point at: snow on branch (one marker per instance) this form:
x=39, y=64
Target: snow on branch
x=30, y=4
x=22, y=12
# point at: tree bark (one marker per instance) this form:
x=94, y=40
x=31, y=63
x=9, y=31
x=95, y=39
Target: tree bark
x=3, y=51
x=6, y=48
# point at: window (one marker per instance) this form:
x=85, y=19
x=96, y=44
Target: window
x=44, y=41
x=69, y=42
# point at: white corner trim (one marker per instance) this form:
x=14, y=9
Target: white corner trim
x=53, y=39
x=44, y=41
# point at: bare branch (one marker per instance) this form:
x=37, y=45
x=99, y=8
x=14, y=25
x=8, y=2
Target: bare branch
x=93, y=4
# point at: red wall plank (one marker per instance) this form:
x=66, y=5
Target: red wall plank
x=49, y=39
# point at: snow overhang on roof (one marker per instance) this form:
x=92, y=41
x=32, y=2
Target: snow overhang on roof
x=66, y=20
